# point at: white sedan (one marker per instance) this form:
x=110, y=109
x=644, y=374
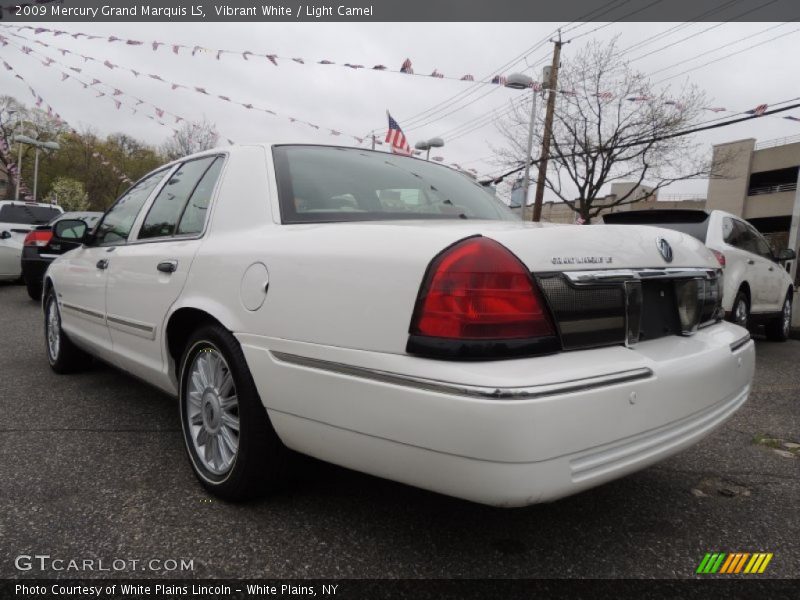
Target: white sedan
x=388, y=314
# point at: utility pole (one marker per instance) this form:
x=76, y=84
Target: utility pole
x=373, y=141
x=548, y=128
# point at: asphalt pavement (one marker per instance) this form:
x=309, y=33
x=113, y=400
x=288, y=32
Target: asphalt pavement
x=92, y=467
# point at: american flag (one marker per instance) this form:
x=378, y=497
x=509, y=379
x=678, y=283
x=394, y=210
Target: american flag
x=467, y=78
x=406, y=67
x=499, y=79
x=758, y=110
x=396, y=139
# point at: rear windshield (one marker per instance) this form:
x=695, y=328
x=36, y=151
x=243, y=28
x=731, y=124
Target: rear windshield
x=319, y=184
x=693, y=223
x=27, y=215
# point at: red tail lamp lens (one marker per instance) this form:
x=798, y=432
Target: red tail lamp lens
x=478, y=290
x=38, y=238
x=720, y=257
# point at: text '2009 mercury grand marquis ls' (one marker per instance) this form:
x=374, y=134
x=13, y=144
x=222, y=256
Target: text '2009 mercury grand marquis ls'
x=388, y=314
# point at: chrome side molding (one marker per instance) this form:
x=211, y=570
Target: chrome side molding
x=740, y=342
x=470, y=391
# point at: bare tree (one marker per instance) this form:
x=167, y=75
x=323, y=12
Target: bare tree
x=190, y=138
x=609, y=126
x=18, y=119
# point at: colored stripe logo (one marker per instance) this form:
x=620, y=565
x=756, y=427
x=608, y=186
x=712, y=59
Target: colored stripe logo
x=733, y=563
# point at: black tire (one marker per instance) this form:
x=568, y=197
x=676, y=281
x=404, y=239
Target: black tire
x=778, y=329
x=740, y=312
x=34, y=290
x=64, y=357
x=259, y=460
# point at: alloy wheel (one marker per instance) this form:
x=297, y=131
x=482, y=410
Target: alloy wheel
x=212, y=411
x=740, y=315
x=787, y=317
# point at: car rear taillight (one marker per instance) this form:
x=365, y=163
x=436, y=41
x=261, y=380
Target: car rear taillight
x=720, y=257
x=477, y=292
x=38, y=238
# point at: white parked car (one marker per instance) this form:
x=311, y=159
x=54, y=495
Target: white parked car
x=17, y=219
x=388, y=314
x=757, y=289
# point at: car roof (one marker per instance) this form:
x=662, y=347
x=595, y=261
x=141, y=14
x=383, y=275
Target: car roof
x=28, y=203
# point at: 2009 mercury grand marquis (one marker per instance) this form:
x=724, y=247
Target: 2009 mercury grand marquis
x=388, y=314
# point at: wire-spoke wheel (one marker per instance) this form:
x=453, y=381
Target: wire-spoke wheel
x=53, y=329
x=62, y=354
x=232, y=447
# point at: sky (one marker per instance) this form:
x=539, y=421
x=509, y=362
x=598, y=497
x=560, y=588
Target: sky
x=355, y=102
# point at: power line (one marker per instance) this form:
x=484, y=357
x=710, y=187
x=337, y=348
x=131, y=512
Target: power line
x=711, y=62
x=630, y=14
x=707, y=29
x=465, y=93
x=660, y=138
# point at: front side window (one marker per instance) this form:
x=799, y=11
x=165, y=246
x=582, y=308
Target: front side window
x=761, y=245
x=118, y=221
x=166, y=210
x=319, y=184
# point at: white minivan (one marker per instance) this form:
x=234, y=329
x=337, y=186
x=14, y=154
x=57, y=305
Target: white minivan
x=757, y=288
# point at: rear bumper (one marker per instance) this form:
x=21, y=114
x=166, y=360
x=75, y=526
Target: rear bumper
x=506, y=433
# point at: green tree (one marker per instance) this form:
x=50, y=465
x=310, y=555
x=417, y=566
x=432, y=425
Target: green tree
x=69, y=194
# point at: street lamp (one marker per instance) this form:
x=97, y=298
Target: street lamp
x=519, y=81
x=24, y=139
x=426, y=145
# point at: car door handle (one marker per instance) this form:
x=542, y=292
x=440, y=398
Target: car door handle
x=772, y=268
x=750, y=261
x=168, y=266
x=102, y=263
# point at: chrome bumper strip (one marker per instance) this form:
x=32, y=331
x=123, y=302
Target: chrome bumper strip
x=471, y=391
x=740, y=342
x=619, y=275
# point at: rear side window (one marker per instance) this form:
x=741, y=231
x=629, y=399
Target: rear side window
x=690, y=222
x=27, y=215
x=118, y=221
x=165, y=213
x=318, y=184
x=196, y=211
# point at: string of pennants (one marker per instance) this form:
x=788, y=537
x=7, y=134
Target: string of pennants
x=117, y=93
x=406, y=68
x=12, y=166
x=159, y=112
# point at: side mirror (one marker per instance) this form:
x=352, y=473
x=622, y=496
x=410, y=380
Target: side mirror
x=73, y=230
x=785, y=254
x=5, y=235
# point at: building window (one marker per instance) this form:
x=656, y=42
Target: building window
x=772, y=182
